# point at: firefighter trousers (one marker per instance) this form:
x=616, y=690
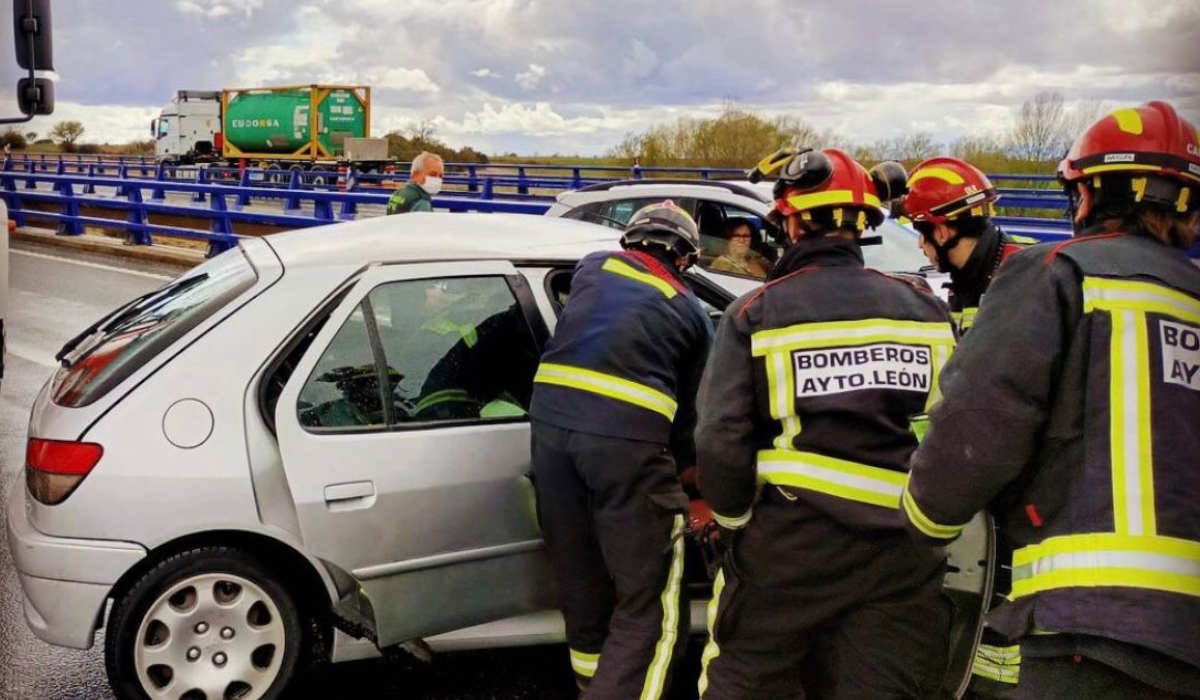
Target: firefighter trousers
x=804, y=607
x=612, y=514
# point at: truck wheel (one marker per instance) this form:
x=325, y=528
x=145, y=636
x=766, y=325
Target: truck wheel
x=210, y=623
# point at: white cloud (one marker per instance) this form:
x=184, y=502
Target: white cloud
x=485, y=73
x=530, y=79
x=101, y=123
x=215, y=9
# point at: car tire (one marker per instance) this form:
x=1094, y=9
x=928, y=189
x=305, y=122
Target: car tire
x=214, y=619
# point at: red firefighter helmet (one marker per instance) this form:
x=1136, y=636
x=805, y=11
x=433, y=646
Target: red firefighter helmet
x=1151, y=140
x=943, y=188
x=828, y=181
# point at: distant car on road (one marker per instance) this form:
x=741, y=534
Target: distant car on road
x=714, y=203
x=315, y=437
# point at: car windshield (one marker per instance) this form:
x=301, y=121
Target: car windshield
x=111, y=349
x=897, y=250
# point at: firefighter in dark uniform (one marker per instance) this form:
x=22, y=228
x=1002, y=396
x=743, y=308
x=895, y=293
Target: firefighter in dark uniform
x=613, y=413
x=1072, y=411
x=808, y=395
x=951, y=202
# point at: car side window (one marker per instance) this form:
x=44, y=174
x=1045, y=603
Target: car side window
x=615, y=213
x=440, y=350
x=734, y=241
x=344, y=390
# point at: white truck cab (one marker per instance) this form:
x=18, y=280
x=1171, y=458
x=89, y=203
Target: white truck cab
x=187, y=127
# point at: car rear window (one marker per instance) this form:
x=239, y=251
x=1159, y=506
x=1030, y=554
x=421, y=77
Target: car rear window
x=114, y=347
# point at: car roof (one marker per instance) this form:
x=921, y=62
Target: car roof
x=742, y=187
x=441, y=236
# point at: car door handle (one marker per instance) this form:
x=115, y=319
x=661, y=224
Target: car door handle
x=350, y=496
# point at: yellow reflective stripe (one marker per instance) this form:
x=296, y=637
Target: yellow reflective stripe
x=1002, y=664
x=1023, y=240
x=966, y=318
x=656, y=675
x=1128, y=120
x=1112, y=295
x=1156, y=562
x=444, y=396
x=616, y=266
x=832, y=476
x=584, y=664
x=944, y=174
x=1129, y=425
x=711, y=650
x=734, y=523
x=781, y=388
x=923, y=522
x=941, y=354
x=1000, y=674
x=871, y=330
x=607, y=385
x=1118, y=166
x=829, y=198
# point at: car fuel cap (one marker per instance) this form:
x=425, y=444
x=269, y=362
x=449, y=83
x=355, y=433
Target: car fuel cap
x=187, y=423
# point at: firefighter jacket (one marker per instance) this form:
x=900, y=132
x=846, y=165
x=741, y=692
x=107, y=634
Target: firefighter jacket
x=1073, y=409
x=627, y=355
x=969, y=282
x=811, y=384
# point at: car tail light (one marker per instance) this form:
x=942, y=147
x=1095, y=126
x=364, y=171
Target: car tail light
x=54, y=468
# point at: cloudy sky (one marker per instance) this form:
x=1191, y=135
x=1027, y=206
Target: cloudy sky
x=573, y=76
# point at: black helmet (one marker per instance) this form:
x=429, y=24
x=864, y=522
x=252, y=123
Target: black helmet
x=665, y=224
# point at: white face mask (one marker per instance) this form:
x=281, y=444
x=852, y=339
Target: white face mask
x=432, y=185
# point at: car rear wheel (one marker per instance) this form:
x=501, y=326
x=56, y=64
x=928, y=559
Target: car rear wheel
x=211, y=623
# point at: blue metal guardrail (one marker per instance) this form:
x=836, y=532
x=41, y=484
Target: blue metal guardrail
x=70, y=193
x=215, y=185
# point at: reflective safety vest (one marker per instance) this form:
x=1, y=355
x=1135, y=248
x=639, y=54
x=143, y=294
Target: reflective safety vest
x=627, y=355
x=1095, y=477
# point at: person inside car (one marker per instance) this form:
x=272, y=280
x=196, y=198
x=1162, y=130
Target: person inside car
x=739, y=258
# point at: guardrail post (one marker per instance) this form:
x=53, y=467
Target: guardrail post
x=322, y=210
x=637, y=172
x=488, y=188
x=576, y=178
x=349, y=210
x=70, y=207
x=473, y=182
x=243, y=198
x=201, y=179
x=160, y=175
x=88, y=187
x=123, y=175
x=11, y=198
x=522, y=185
x=220, y=223
x=292, y=203
x=30, y=183
x=138, y=234
x=61, y=169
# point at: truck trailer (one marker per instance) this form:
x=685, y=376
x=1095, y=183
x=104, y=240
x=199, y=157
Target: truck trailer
x=291, y=128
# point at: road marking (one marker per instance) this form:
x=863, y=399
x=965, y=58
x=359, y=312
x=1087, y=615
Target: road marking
x=98, y=266
x=45, y=359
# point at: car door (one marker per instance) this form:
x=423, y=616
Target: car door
x=406, y=446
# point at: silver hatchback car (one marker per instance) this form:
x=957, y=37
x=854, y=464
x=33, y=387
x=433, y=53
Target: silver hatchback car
x=311, y=447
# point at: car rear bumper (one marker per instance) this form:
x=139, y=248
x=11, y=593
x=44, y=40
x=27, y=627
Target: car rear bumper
x=64, y=581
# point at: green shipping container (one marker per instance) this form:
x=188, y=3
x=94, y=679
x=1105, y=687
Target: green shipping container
x=277, y=122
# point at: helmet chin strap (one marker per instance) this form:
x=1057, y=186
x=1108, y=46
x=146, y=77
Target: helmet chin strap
x=943, y=250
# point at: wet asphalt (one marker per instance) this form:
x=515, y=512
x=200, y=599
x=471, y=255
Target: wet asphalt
x=51, y=299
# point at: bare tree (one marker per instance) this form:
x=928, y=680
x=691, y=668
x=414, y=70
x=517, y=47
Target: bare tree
x=1040, y=126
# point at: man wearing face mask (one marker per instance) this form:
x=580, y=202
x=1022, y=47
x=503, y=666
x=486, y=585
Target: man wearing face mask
x=950, y=202
x=426, y=182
